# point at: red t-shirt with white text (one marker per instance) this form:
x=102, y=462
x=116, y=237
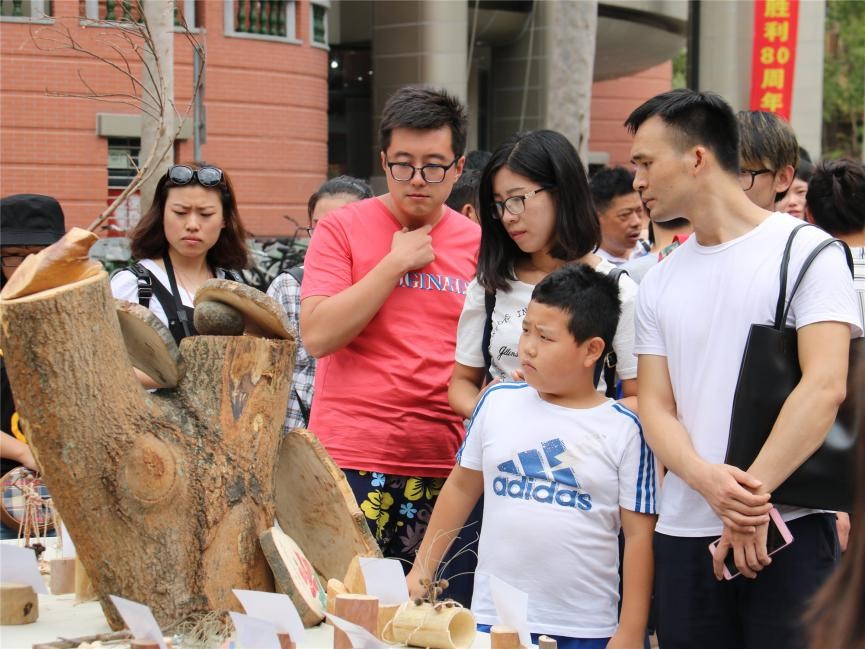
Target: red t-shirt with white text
x=381, y=402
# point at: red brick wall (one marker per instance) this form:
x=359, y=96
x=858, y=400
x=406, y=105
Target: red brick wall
x=613, y=101
x=266, y=118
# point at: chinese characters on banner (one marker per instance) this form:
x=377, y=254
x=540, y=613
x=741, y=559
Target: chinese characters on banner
x=776, y=24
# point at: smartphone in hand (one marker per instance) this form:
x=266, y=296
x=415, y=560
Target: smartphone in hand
x=777, y=537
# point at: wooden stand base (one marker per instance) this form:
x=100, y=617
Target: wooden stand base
x=359, y=609
x=285, y=641
x=62, y=580
x=19, y=604
x=504, y=637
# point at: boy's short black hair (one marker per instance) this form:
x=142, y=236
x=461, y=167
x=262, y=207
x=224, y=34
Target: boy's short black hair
x=609, y=183
x=424, y=109
x=590, y=298
x=836, y=195
x=478, y=159
x=702, y=118
x=465, y=190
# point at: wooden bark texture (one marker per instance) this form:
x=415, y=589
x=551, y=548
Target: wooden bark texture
x=316, y=507
x=165, y=493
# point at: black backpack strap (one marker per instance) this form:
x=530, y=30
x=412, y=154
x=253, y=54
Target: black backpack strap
x=233, y=275
x=297, y=273
x=144, y=280
x=304, y=409
x=607, y=363
x=489, y=307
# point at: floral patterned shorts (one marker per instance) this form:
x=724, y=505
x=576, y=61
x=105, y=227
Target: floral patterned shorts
x=397, y=509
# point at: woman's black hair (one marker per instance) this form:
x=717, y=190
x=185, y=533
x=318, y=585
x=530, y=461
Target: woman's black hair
x=549, y=159
x=339, y=185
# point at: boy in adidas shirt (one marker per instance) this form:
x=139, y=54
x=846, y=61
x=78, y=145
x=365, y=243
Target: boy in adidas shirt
x=562, y=469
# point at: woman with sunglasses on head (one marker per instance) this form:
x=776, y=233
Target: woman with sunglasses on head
x=536, y=215
x=191, y=233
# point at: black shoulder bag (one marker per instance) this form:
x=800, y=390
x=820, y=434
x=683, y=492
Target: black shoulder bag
x=607, y=363
x=769, y=372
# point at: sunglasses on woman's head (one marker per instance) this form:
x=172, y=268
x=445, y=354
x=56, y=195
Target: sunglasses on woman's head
x=205, y=176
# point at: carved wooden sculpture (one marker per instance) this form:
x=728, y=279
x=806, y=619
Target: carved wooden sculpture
x=165, y=493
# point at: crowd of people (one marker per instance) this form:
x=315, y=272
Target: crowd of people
x=507, y=356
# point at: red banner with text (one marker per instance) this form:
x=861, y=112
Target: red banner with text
x=776, y=24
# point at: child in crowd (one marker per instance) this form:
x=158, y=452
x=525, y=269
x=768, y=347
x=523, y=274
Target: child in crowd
x=464, y=196
x=562, y=469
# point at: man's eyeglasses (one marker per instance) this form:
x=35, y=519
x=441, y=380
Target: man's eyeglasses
x=204, y=176
x=403, y=172
x=747, y=176
x=515, y=205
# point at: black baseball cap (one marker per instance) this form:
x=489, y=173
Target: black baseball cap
x=30, y=220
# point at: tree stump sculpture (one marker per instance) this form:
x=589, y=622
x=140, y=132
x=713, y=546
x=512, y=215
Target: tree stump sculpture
x=165, y=493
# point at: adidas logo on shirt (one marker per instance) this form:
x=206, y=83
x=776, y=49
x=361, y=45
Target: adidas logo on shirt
x=552, y=467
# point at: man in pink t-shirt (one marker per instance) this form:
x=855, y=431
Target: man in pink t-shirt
x=383, y=288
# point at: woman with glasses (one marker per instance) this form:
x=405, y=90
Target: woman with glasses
x=536, y=216
x=191, y=233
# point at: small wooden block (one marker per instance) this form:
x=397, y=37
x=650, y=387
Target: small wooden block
x=285, y=641
x=149, y=644
x=359, y=609
x=504, y=637
x=19, y=604
x=546, y=642
x=354, y=581
x=84, y=591
x=385, y=618
x=62, y=580
x=294, y=575
x=334, y=587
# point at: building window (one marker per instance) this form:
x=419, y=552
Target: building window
x=261, y=19
x=130, y=10
x=318, y=22
x=27, y=10
x=123, y=159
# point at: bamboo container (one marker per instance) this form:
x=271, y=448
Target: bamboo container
x=423, y=626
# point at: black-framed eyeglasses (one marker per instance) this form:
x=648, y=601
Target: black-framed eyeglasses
x=515, y=205
x=205, y=176
x=747, y=176
x=403, y=172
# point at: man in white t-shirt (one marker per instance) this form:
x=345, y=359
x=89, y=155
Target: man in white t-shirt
x=694, y=313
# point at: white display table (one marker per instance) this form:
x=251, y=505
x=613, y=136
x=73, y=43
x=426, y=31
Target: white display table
x=60, y=617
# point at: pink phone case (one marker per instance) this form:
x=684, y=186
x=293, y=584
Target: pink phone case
x=782, y=530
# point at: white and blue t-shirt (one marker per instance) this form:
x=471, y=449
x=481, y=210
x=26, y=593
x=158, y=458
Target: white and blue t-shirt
x=554, y=479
